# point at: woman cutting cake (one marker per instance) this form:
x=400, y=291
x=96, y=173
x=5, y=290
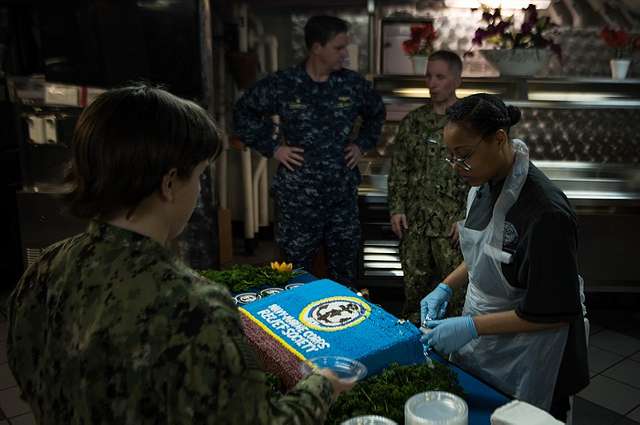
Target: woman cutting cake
x=523, y=327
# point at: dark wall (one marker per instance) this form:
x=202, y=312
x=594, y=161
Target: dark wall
x=108, y=43
x=10, y=258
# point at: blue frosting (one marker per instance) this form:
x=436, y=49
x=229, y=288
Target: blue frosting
x=325, y=318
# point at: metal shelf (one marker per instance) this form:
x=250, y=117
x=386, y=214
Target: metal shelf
x=557, y=93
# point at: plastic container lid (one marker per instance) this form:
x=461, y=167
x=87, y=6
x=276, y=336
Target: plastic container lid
x=435, y=408
x=369, y=420
x=294, y=285
x=347, y=370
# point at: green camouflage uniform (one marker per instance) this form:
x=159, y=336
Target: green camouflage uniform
x=108, y=327
x=424, y=187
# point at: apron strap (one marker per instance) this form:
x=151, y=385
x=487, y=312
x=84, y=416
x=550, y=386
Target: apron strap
x=498, y=254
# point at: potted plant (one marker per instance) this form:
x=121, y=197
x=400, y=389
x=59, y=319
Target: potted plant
x=623, y=45
x=420, y=45
x=520, y=52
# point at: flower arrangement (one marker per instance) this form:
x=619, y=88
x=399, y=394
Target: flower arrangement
x=244, y=277
x=421, y=41
x=621, y=41
x=282, y=267
x=499, y=31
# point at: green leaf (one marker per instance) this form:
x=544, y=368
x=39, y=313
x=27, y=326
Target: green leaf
x=386, y=393
x=245, y=277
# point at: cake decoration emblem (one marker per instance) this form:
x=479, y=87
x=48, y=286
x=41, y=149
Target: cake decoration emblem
x=335, y=313
x=246, y=298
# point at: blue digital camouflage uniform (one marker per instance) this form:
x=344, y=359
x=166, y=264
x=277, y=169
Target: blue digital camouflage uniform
x=316, y=203
x=108, y=327
x=424, y=187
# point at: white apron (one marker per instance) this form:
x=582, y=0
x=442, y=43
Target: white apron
x=524, y=365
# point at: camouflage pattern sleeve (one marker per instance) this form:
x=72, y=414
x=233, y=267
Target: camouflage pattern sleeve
x=398, y=179
x=21, y=357
x=252, y=116
x=373, y=116
x=223, y=382
x=109, y=327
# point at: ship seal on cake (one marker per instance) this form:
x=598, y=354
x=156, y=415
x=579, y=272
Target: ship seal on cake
x=324, y=318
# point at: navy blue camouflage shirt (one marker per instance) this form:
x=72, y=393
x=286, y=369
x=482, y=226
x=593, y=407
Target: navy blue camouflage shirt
x=320, y=117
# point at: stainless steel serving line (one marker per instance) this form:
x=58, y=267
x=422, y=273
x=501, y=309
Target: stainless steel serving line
x=605, y=196
x=585, y=184
x=583, y=133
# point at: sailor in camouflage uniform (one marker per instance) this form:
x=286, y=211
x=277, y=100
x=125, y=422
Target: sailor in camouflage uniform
x=109, y=327
x=315, y=188
x=425, y=196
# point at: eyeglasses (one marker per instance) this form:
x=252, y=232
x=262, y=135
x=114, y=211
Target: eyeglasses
x=461, y=161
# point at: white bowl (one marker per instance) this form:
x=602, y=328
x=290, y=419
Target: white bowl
x=517, y=62
x=347, y=370
x=369, y=420
x=435, y=408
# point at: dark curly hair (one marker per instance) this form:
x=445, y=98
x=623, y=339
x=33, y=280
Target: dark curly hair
x=483, y=113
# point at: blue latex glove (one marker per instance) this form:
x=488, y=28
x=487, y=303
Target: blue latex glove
x=450, y=334
x=434, y=305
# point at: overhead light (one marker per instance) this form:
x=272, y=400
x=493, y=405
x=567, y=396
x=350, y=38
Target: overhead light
x=573, y=97
x=504, y=4
x=424, y=92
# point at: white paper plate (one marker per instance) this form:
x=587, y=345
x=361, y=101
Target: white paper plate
x=435, y=408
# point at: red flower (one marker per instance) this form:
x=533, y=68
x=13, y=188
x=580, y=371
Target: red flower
x=620, y=40
x=421, y=41
x=615, y=39
x=416, y=31
x=410, y=46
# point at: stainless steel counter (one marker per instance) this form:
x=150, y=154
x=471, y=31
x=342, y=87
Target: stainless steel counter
x=585, y=184
x=585, y=136
x=562, y=93
x=606, y=198
x=563, y=119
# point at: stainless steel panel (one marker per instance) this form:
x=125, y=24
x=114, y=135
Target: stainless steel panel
x=379, y=257
x=601, y=183
x=385, y=273
x=585, y=135
x=381, y=243
x=380, y=250
x=381, y=265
